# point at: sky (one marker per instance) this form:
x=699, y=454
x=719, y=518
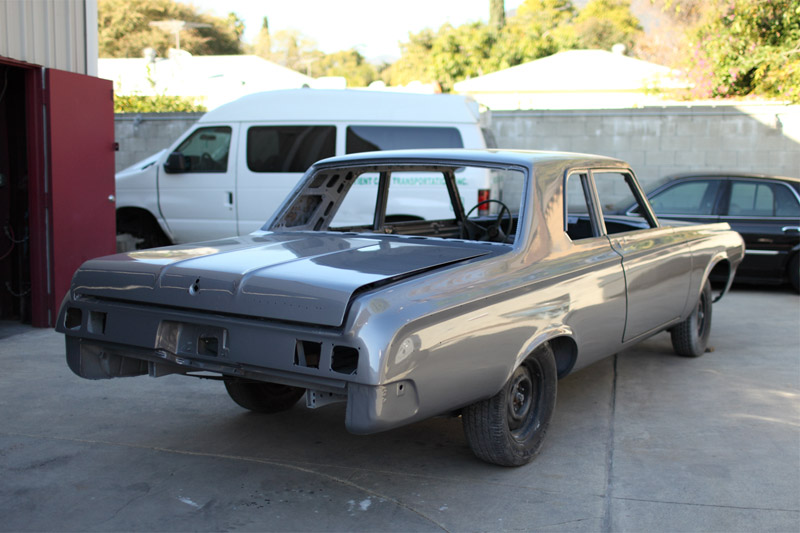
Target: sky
x=373, y=27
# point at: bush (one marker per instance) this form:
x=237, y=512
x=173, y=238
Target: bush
x=160, y=103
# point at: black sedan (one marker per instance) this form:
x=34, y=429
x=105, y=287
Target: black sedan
x=765, y=210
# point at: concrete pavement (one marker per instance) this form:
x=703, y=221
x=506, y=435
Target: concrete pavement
x=643, y=441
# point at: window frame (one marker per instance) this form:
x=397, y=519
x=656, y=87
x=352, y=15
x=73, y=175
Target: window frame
x=633, y=184
x=587, y=185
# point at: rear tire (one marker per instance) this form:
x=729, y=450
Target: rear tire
x=263, y=397
x=690, y=337
x=794, y=272
x=509, y=428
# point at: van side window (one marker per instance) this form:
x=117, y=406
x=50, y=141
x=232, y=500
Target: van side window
x=288, y=148
x=371, y=138
x=206, y=150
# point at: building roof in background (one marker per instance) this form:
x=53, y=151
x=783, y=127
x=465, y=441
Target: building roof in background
x=575, y=79
x=577, y=70
x=213, y=80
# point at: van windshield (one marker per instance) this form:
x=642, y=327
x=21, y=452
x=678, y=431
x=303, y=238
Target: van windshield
x=373, y=138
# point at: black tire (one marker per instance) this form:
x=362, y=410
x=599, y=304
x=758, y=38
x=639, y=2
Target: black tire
x=794, y=272
x=142, y=230
x=690, y=337
x=263, y=397
x=509, y=428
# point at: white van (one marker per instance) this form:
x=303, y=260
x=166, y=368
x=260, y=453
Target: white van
x=228, y=173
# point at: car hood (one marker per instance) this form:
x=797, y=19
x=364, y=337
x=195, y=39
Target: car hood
x=298, y=277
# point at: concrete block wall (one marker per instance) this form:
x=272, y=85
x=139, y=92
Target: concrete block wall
x=761, y=138
x=141, y=135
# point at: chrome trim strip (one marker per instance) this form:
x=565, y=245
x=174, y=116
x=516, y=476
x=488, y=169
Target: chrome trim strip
x=761, y=252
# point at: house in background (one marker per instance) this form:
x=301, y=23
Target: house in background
x=209, y=80
x=575, y=79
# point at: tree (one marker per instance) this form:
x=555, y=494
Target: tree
x=540, y=28
x=263, y=43
x=349, y=64
x=414, y=63
x=124, y=29
x=742, y=48
x=294, y=50
x=603, y=23
x=497, y=14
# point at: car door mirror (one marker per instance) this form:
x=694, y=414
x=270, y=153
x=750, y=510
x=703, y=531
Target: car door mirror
x=175, y=163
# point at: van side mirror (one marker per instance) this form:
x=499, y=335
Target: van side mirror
x=175, y=163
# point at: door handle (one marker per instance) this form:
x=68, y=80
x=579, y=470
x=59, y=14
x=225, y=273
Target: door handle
x=791, y=229
x=230, y=198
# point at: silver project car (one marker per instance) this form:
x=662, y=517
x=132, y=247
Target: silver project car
x=476, y=310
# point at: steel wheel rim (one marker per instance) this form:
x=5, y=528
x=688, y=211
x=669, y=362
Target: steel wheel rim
x=701, y=315
x=522, y=401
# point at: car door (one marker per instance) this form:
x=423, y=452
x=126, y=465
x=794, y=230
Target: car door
x=197, y=199
x=657, y=266
x=767, y=215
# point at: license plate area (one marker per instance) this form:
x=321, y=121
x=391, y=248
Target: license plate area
x=192, y=340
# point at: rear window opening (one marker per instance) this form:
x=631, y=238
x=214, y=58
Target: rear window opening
x=460, y=202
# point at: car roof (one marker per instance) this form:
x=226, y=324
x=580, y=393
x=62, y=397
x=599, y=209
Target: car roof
x=725, y=174
x=449, y=157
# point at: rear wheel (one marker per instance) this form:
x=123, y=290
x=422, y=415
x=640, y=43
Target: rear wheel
x=263, y=397
x=794, y=272
x=509, y=428
x=690, y=337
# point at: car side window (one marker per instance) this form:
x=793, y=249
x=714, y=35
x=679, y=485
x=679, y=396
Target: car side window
x=288, y=148
x=786, y=204
x=578, y=221
x=615, y=191
x=206, y=150
x=751, y=199
x=687, y=198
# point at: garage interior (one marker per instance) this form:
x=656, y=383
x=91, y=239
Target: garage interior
x=15, y=267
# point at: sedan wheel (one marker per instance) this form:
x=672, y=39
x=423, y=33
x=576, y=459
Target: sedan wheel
x=508, y=429
x=690, y=337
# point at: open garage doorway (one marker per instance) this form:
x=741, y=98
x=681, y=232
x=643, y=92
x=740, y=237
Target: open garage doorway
x=15, y=253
